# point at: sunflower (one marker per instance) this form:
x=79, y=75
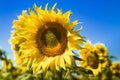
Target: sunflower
x=45, y=39
x=91, y=58
x=102, y=50
x=115, y=68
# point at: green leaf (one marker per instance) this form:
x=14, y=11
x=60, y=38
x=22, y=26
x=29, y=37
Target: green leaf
x=112, y=57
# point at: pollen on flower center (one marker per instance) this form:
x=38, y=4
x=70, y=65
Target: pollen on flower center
x=52, y=39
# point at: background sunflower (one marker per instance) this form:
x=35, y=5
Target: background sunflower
x=91, y=55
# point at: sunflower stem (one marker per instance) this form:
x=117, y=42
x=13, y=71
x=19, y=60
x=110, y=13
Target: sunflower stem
x=59, y=73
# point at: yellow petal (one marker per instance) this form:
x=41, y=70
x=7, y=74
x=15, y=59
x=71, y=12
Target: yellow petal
x=62, y=62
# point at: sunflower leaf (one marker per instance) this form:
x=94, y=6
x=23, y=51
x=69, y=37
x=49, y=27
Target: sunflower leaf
x=112, y=57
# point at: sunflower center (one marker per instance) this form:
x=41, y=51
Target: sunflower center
x=92, y=60
x=52, y=39
x=102, y=50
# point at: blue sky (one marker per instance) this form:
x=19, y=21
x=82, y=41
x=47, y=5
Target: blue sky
x=101, y=19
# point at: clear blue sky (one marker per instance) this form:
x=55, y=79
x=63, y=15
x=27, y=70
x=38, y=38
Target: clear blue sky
x=101, y=19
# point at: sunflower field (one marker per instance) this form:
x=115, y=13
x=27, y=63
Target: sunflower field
x=47, y=46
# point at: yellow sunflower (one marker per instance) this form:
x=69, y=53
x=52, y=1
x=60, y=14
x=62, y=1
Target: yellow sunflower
x=115, y=68
x=102, y=52
x=45, y=38
x=90, y=58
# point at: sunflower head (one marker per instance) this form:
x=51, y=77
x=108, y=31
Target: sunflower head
x=45, y=39
x=101, y=49
x=51, y=40
x=91, y=55
x=102, y=52
x=115, y=68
